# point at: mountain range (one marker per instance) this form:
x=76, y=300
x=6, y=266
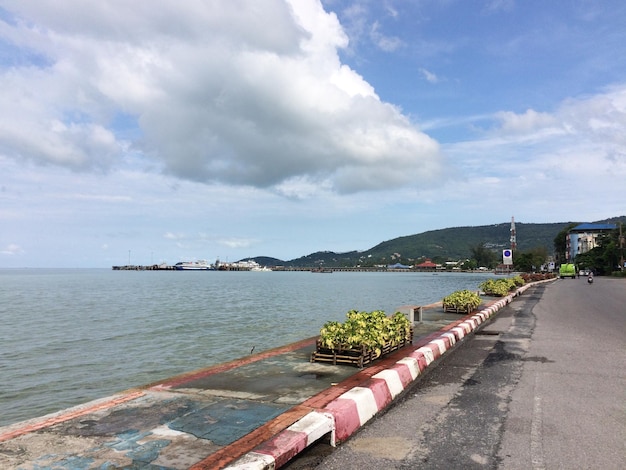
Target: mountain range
x=441, y=245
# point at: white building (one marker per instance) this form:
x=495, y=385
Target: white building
x=584, y=237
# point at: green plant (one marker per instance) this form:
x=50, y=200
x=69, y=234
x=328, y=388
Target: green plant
x=462, y=299
x=501, y=287
x=371, y=330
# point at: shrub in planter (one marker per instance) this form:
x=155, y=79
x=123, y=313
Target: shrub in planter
x=462, y=300
x=501, y=287
x=498, y=288
x=369, y=330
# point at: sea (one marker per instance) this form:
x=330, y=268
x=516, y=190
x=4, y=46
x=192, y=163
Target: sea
x=69, y=336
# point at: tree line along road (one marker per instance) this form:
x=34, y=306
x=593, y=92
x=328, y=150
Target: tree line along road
x=542, y=386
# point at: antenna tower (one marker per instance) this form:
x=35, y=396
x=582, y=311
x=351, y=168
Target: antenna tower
x=513, y=237
x=621, y=248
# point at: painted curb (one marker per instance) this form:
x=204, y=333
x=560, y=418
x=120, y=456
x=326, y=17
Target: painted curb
x=343, y=416
x=288, y=443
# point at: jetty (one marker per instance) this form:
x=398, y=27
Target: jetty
x=153, y=267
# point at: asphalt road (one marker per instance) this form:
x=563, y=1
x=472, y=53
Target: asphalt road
x=542, y=386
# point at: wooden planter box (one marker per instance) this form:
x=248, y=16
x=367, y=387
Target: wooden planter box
x=457, y=309
x=358, y=357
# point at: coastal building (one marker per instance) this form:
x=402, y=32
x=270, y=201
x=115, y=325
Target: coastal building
x=398, y=266
x=584, y=237
x=427, y=265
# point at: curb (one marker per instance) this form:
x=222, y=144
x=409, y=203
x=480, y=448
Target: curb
x=344, y=415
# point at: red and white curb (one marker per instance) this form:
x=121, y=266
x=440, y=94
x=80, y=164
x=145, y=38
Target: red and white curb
x=288, y=443
x=351, y=410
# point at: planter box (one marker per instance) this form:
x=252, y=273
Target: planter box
x=358, y=357
x=457, y=309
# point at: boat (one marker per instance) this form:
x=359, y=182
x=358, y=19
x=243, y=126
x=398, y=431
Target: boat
x=261, y=269
x=200, y=265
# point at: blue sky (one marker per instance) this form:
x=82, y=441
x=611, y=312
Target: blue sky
x=227, y=129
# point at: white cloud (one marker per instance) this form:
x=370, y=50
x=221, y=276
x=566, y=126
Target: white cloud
x=99, y=197
x=391, y=9
x=499, y=5
x=525, y=123
x=547, y=162
x=174, y=236
x=236, y=242
x=383, y=41
x=429, y=76
x=598, y=120
x=216, y=95
x=12, y=249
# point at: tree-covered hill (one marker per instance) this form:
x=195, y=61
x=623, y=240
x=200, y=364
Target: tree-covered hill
x=454, y=243
x=440, y=245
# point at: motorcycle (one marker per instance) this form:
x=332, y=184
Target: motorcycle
x=590, y=279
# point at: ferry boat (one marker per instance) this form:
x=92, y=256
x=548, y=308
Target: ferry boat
x=200, y=265
x=260, y=269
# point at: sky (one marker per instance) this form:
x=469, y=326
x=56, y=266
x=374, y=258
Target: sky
x=160, y=131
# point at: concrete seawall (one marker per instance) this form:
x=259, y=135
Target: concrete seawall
x=345, y=414
x=254, y=413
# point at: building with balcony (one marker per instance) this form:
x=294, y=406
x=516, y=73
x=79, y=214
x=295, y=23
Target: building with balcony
x=584, y=237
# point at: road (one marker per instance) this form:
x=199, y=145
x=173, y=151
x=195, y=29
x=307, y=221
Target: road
x=542, y=386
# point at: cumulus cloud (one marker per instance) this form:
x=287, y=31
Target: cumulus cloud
x=598, y=119
x=579, y=145
x=526, y=122
x=241, y=93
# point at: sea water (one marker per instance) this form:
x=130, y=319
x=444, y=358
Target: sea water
x=68, y=336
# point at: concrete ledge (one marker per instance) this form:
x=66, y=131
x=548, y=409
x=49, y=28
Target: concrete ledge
x=344, y=415
x=36, y=424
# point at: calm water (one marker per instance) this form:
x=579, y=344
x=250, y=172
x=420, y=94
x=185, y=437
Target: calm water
x=70, y=336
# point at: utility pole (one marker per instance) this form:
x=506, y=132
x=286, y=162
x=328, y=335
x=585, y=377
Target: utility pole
x=621, y=248
x=513, y=236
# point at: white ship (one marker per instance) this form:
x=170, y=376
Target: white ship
x=261, y=269
x=200, y=265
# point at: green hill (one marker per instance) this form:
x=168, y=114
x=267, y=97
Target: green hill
x=439, y=245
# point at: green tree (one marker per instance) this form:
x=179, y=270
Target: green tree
x=469, y=264
x=531, y=260
x=483, y=255
x=524, y=262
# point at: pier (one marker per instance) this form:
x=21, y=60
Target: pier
x=153, y=267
